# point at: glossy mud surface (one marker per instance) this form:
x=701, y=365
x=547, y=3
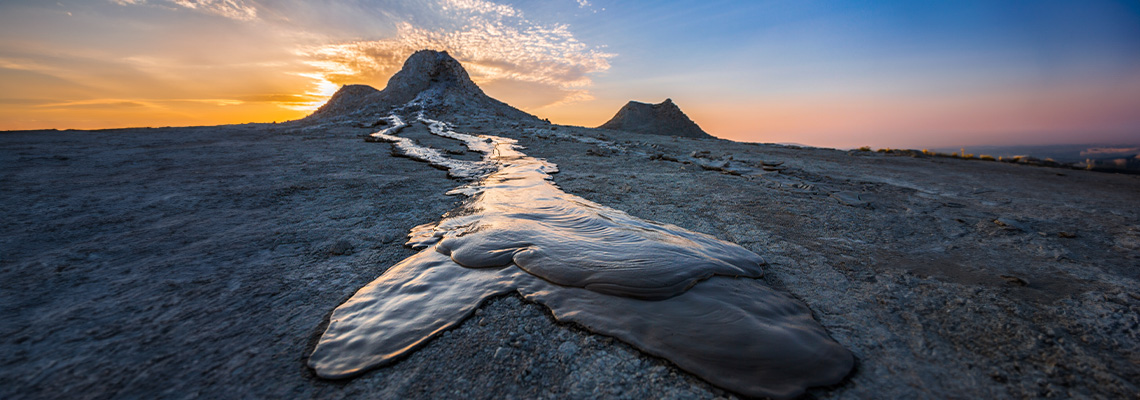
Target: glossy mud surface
x=645, y=283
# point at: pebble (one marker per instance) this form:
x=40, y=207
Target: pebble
x=1009, y=224
x=567, y=349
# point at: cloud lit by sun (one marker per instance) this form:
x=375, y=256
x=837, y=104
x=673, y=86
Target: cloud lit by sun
x=267, y=61
x=498, y=46
x=235, y=9
x=492, y=52
x=827, y=73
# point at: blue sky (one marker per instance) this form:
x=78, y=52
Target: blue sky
x=975, y=70
x=825, y=73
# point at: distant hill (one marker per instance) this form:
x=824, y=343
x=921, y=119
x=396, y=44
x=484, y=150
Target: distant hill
x=1099, y=157
x=1065, y=153
x=664, y=118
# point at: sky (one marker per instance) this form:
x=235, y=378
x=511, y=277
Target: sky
x=839, y=74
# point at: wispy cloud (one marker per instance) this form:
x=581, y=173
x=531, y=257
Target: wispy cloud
x=233, y=9
x=21, y=64
x=129, y=103
x=482, y=7
x=100, y=104
x=248, y=60
x=495, y=43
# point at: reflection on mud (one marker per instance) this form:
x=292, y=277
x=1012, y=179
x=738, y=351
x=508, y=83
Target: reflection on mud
x=680, y=295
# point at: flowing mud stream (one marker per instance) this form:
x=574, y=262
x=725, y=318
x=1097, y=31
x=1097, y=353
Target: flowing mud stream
x=683, y=296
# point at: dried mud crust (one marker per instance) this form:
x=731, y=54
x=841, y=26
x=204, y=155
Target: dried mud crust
x=189, y=262
x=946, y=276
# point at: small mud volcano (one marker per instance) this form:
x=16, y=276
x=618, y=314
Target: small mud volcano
x=680, y=295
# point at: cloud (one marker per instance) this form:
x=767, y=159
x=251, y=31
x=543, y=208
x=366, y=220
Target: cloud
x=278, y=59
x=99, y=104
x=155, y=103
x=533, y=95
x=232, y=9
x=482, y=7
x=301, y=102
x=21, y=64
x=494, y=42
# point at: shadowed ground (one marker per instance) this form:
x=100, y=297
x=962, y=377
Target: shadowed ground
x=198, y=261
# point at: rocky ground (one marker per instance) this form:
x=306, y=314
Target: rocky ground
x=201, y=262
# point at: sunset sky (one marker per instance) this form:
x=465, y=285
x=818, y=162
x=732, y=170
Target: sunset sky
x=823, y=73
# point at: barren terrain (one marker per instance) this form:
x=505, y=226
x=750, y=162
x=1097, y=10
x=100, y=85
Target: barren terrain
x=201, y=262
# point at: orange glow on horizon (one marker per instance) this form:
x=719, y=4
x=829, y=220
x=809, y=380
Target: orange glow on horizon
x=123, y=114
x=110, y=64
x=843, y=122
x=1061, y=114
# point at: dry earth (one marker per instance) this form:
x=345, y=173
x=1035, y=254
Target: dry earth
x=201, y=262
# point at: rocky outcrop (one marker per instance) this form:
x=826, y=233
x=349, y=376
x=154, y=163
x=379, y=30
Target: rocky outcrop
x=428, y=80
x=664, y=118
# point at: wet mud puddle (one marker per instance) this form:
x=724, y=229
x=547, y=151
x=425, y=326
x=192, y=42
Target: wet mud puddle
x=680, y=295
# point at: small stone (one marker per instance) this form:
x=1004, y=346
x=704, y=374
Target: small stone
x=567, y=349
x=389, y=237
x=851, y=199
x=1009, y=224
x=1013, y=280
x=341, y=247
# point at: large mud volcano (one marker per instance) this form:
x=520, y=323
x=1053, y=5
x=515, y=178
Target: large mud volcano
x=680, y=295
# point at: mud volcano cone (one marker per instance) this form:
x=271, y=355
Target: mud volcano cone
x=664, y=118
